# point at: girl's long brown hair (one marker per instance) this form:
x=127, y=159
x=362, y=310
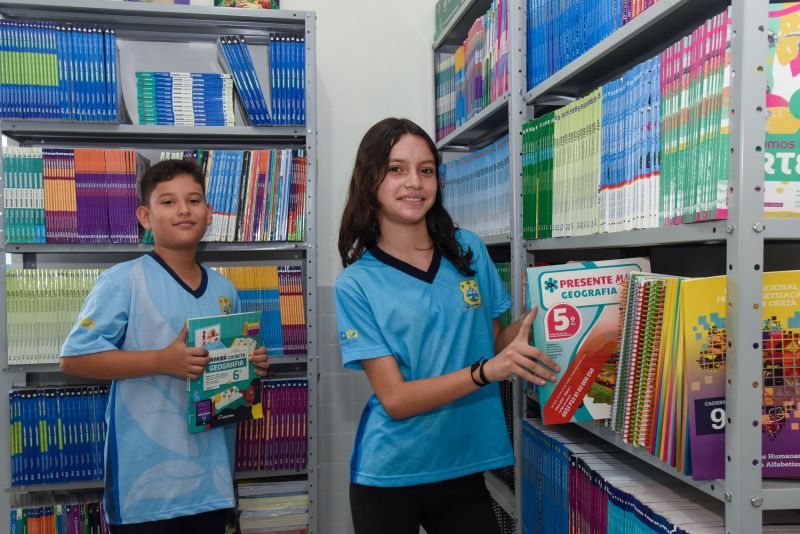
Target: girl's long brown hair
x=359, y=229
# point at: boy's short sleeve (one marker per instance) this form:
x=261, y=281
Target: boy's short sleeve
x=359, y=334
x=102, y=320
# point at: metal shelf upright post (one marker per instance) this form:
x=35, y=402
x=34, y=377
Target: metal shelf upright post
x=745, y=254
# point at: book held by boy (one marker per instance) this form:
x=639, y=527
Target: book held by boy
x=229, y=390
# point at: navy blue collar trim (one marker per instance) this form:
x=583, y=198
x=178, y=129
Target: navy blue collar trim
x=196, y=293
x=425, y=276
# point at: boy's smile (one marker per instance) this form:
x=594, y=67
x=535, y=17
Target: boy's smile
x=177, y=213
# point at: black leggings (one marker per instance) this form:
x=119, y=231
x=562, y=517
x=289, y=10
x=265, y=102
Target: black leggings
x=206, y=523
x=459, y=505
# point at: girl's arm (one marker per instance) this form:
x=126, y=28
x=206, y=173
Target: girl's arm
x=403, y=399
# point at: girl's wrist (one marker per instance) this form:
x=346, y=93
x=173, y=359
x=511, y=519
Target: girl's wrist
x=477, y=369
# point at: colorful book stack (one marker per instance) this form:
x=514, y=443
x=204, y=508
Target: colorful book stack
x=61, y=72
x=669, y=381
x=43, y=305
x=82, y=195
x=664, y=151
x=561, y=31
x=476, y=190
x=23, y=195
x=277, y=292
x=255, y=195
x=185, y=98
x=279, y=440
x=57, y=434
x=63, y=516
x=250, y=4
x=629, y=166
x=287, y=67
x=646, y=410
x=280, y=507
x=234, y=56
x=476, y=74
x=704, y=313
x=572, y=482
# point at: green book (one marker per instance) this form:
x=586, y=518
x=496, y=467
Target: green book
x=229, y=390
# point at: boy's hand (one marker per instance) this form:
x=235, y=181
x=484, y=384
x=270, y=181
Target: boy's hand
x=521, y=359
x=184, y=362
x=261, y=361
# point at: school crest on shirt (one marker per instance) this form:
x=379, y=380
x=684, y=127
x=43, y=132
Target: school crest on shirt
x=225, y=306
x=472, y=295
x=348, y=337
x=85, y=324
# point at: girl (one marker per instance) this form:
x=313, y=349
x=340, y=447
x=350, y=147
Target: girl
x=416, y=306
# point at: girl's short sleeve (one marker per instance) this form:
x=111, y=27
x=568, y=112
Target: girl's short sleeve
x=359, y=334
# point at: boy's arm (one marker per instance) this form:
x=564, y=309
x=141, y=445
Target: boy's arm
x=176, y=359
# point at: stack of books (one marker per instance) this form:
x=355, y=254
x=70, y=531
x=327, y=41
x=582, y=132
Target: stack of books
x=277, y=292
x=255, y=195
x=59, y=514
x=659, y=151
x=476, y=74
x=278, y=441
x=234, y=55
x=43, y=305
x=572, y=482
x=81, y=195
x=57, y=434
x=560, y=32
x=475, y=190
x=274, y=507
x=287, y=66
x=185, y=98
x=64, y=72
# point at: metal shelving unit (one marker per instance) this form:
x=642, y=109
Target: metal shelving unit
x=489, y=124
x=744, y=232
x=142, y=22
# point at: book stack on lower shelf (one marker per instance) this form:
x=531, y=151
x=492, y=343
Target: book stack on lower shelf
x=573, y=483
x=67, y=514
x=273, y=507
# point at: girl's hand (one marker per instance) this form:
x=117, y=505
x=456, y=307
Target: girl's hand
x=520, y=359
x=261, y=361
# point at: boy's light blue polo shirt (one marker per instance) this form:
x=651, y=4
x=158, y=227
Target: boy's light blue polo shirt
x=154, y=469
x=433, y=323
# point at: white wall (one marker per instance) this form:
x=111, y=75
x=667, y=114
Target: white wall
x=374, y=60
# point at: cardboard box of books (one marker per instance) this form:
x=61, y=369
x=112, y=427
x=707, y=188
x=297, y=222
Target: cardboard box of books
x=578, y=327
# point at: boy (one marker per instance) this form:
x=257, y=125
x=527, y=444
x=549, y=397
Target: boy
x=158, y=477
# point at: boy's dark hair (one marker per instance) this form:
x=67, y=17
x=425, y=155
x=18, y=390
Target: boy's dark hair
x=166, y=170
x=359, y=229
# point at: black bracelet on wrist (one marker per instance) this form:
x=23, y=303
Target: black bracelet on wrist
x=482, y=375
x=479, y=366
